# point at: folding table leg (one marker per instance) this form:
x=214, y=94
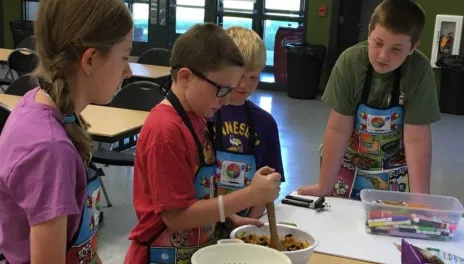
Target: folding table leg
x=108, y=202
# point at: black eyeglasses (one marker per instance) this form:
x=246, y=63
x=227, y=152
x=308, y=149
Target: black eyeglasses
x=221, y=90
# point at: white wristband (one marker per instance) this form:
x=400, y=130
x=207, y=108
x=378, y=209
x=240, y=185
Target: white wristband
x=222, y=217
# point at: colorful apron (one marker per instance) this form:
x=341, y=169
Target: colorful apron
x=83, y=248
x=234, y=170
x=375, y=156
x=177, y=247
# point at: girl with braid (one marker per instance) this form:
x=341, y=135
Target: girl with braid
x=48, y=191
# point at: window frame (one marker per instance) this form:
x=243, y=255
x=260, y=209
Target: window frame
x=24, y=12
x=259, y=15
x=165, y=35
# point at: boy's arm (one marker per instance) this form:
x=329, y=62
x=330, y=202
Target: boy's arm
x=418, y=144
x=337, y=135
x=257, y=211
x=421, y=110
x=339, y=94
x=173, y=191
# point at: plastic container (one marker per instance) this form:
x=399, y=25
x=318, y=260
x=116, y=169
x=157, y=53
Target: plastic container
x=438, y=220
x=235, y=251
x=299, y=256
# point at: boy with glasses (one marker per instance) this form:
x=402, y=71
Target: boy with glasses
x=175, y=164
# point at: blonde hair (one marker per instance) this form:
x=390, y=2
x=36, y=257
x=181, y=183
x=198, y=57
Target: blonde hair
x=205, y=47
x=64, y=30
x=250, y=45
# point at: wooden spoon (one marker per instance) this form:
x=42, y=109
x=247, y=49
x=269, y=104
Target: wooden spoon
x=275, y=241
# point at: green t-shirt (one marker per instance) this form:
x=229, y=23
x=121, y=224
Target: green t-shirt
x=419, y=96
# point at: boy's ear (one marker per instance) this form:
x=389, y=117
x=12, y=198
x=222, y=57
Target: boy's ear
x=414, y=47
x=184, y=74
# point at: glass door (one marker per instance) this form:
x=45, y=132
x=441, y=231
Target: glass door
x=144, y=25
x=263, y=16
x=30, y=9
x=158, y=23
x=183, y=15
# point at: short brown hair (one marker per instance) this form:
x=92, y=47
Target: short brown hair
x=250, y=45
x=400, y=17
x=205, y=47
x=64, y=30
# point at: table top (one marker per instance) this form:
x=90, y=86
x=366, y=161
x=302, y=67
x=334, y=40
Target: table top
x=4, y=53
x=149, y=71
x=341, y=232
x=319, y=258
x=138, y=70
x=122, y=121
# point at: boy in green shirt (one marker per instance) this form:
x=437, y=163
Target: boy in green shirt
x=384, y=88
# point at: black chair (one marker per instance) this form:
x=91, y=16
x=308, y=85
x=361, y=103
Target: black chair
x=4, y=114
x=156, y=56
x=22, y=85
x=22, y=61
x=113, y=158
x=27, y=43
x=141, y=95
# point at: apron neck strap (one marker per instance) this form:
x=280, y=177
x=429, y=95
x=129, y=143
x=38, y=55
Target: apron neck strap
x=172, y=98
x=396, y=91
x=367, y=85
x=218, y=141
x=251, y=124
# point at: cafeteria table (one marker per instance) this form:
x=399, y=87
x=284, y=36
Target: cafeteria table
x=107, y=124
x=138, y=70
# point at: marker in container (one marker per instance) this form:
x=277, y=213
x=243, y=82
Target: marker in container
x=385, y=214
x=413, y=205
x=391, y=219
x=422, y=222
x=403, y=234
x=433, y=219
x=375, y=224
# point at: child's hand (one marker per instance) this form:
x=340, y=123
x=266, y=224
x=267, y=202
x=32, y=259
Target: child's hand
x=265, y=186
x=236, y=221
x=314, y=190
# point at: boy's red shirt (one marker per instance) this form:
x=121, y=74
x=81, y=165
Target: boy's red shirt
x=166, y=160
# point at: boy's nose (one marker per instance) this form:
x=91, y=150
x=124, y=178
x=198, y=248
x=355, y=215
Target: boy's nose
x=384, y=54
x=225, y=100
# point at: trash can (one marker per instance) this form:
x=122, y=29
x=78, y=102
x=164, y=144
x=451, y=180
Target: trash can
x=304, y=67
x=452, y=78
x=20, y=30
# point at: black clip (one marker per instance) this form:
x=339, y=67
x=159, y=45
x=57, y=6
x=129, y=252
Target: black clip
x=318, y=205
